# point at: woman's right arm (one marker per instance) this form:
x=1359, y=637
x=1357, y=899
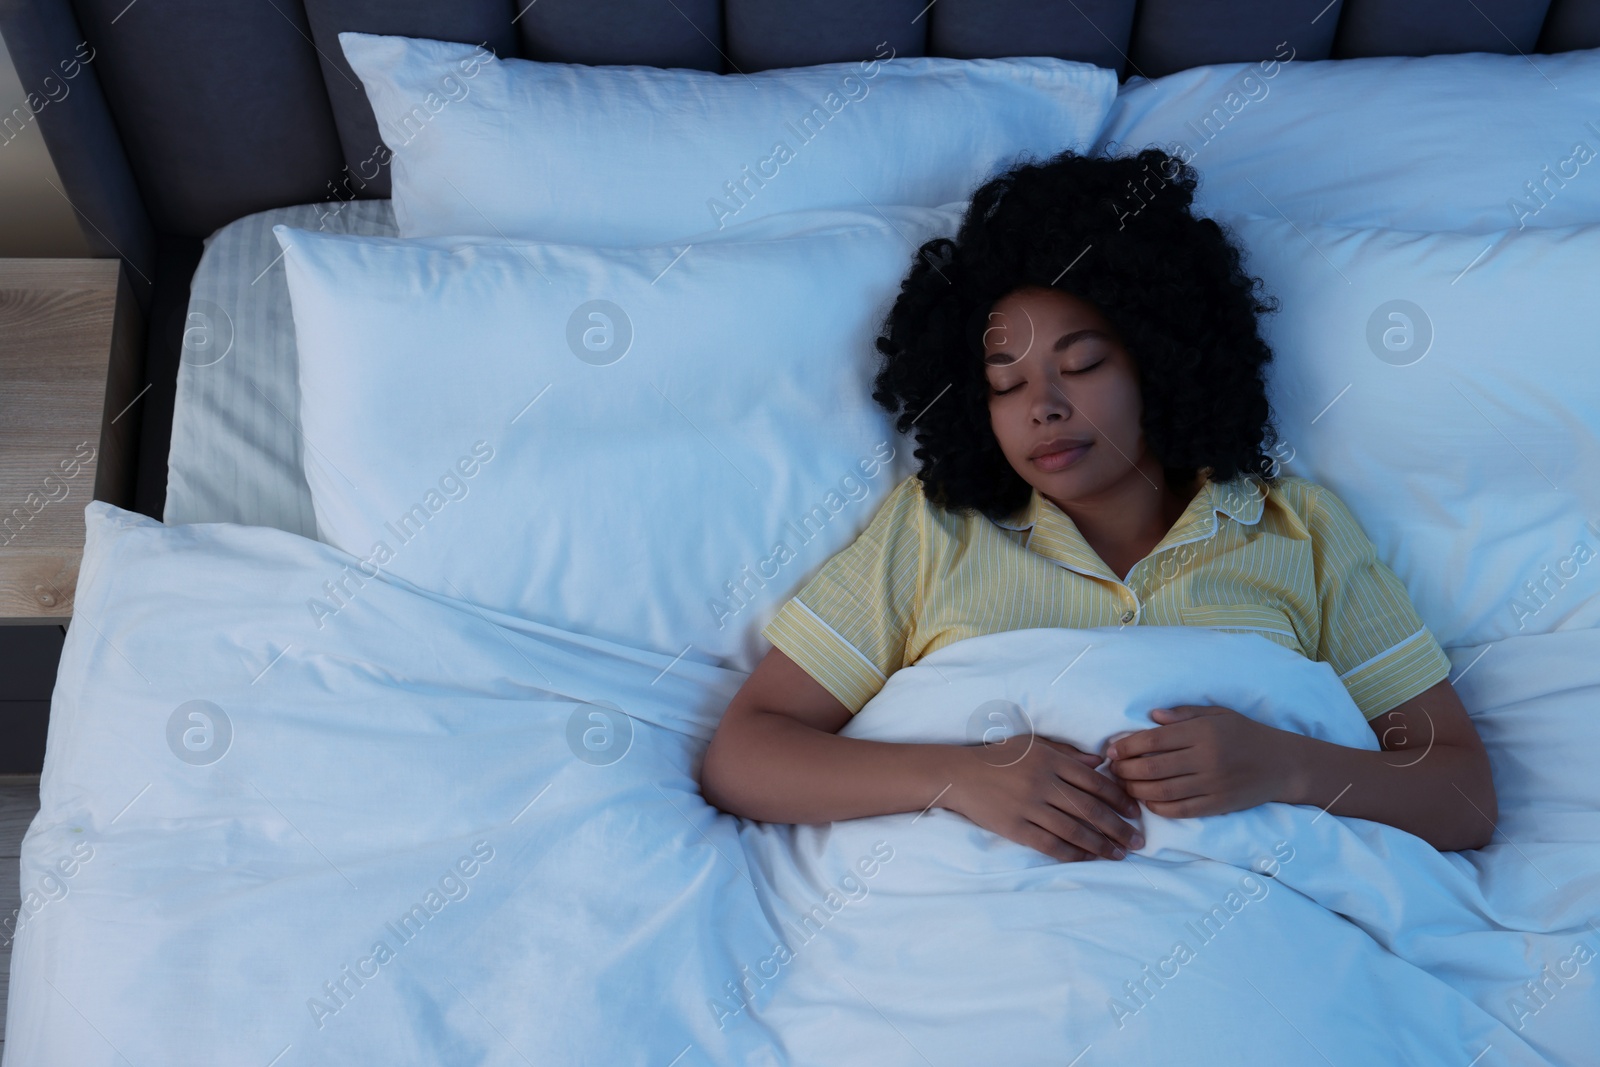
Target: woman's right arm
x=776, y=757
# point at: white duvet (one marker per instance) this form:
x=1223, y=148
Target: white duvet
x=421, y=833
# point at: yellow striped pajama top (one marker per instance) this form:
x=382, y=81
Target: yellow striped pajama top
x=1288, y=562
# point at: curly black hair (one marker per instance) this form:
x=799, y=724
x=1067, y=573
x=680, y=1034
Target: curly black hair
x=1116, y=231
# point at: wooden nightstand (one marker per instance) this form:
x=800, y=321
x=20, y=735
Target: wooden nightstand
x=70, y=336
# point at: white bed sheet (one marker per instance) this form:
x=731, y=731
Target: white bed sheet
x=230, y=911
x=236, y=444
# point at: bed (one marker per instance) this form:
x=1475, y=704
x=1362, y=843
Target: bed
x=496, y=437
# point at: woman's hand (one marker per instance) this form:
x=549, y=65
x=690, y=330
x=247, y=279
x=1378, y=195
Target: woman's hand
x=1203, y=760
x=1044, y=794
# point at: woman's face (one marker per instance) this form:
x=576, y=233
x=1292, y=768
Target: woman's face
x=1058, y=373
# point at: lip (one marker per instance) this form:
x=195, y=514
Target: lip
x=1061, y=460
x=1057, y=444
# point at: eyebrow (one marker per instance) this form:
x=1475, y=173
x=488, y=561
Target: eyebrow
x=1062, y=343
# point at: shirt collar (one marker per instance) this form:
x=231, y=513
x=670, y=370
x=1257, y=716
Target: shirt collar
x=1241, y=498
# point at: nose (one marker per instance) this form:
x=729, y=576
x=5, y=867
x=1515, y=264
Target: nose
x=1052, y=402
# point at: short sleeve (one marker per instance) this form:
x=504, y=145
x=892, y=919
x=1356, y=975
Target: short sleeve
x=847, y=627
x=1370, y=632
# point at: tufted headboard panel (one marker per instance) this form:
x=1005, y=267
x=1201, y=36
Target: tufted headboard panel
x=167, y=119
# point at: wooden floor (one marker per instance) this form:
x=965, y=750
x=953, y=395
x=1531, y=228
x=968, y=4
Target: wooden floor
x=19, y=802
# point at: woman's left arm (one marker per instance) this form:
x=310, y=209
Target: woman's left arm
x=1431, y=777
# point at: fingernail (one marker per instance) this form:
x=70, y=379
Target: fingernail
x=1111, y=752
x=1137, y=841
x=1117, y=853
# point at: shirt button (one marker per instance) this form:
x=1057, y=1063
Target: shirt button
x=1127, y=616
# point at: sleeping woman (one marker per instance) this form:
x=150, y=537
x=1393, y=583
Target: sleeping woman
x=1083, y=370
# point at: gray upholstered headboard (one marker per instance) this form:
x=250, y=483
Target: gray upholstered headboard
x=188, y=114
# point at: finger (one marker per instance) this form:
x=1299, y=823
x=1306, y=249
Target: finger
x=1166, y=790
x=1099, y=817
x=1131, y=745
x=1107, y=789
x=1185, y=712
x=1039, y=839
x=1160, y=739
x=1155, y=765
x=1075, y=832
x=1189, y=807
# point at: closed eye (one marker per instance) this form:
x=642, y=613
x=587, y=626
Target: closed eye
x=1081, y=370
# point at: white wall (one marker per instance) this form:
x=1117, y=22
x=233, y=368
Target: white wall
x=35, y=218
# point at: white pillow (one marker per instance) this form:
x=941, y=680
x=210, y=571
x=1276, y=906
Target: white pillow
x=1448, y=142
x=653, y=446
x=1444, y=386
x=630, y=155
